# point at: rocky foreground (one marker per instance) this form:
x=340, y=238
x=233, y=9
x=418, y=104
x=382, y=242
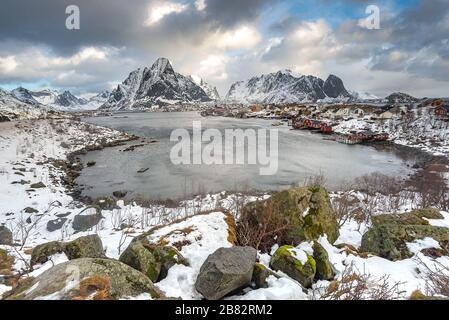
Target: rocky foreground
x=288, y=245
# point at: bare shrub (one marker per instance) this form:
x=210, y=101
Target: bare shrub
x=437, y=279
x=356, y=285
x=432, y=190
x=343, y=207
x=315, y=180
x=377, y=182
x=269, y=229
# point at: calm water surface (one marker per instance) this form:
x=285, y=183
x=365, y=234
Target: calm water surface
x=301, y=154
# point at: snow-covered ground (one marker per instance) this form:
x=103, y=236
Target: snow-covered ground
x=26, y=149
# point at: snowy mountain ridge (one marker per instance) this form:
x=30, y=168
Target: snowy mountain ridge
x=286, y=86
x=156, y=86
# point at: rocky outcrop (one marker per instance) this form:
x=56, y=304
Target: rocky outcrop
x=43, y=252
x=390, y=233
x=296, y=263
x=87, y=279
x=225, y=271
x=83, y=247
x=306, y=214
x=5, y=236
x=324, y=269
x=153, y=260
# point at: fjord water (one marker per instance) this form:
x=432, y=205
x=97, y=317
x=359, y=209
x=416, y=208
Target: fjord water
x=301, y=154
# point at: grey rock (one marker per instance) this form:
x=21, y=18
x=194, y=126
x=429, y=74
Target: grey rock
x=5, y=235
x=225, y=271
x=118, y=279
x=56, y=224
x=84, y=222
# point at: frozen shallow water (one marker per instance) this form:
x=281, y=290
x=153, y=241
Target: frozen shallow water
x=301, y=154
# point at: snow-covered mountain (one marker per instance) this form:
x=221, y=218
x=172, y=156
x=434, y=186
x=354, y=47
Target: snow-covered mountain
x=24, y=95
x=65, y=101
x=286, y=86
x=12, y=108
x=157, y=86
x=211, y=91
x=399, y=97
x=362, y=96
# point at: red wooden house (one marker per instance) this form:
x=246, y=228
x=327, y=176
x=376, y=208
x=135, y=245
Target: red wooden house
x=442, y=111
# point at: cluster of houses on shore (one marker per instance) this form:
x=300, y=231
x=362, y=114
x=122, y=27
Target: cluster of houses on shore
x=322, y=118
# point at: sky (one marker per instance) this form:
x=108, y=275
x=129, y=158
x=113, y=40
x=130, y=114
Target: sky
x=227, y=41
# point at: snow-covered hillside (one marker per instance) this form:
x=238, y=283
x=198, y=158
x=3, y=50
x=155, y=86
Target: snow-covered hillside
x=11, y=108
x=157, y=86
x=286, y=86
x=211, y=91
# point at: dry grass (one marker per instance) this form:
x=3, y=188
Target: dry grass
x=94, y=288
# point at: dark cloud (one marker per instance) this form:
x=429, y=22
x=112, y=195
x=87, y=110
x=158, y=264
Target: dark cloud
x=114, y=22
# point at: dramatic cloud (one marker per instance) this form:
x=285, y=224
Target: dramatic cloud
x=226, y=41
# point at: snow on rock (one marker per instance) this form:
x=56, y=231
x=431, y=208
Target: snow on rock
x=197, y=237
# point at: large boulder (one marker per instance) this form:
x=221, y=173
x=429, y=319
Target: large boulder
x=306, y=214
x=324, y=269
x=84, y=247
x=43, y=252
x=296, y=263
x=389, y=241
x=152, y=260
x=5, y=236
x=226, y=270
x=87, y=279
x=139, y=258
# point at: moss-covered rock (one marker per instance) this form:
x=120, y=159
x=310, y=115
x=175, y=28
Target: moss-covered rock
x=415, y=217
x=43, y=252
x=324, y=269
x=167, y=257
x=306, y=213
x=390, y=240
x=261, y=274
x=152, y=260
x=139, y=258
x=122, y=281
x=84, y=247
x=285, y=260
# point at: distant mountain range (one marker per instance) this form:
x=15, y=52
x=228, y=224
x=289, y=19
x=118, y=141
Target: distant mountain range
x=64, y=101
x=159, y=85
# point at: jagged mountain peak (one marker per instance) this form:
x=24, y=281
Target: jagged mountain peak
x=210, y=90
x=162, y=65
x=156, y=86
